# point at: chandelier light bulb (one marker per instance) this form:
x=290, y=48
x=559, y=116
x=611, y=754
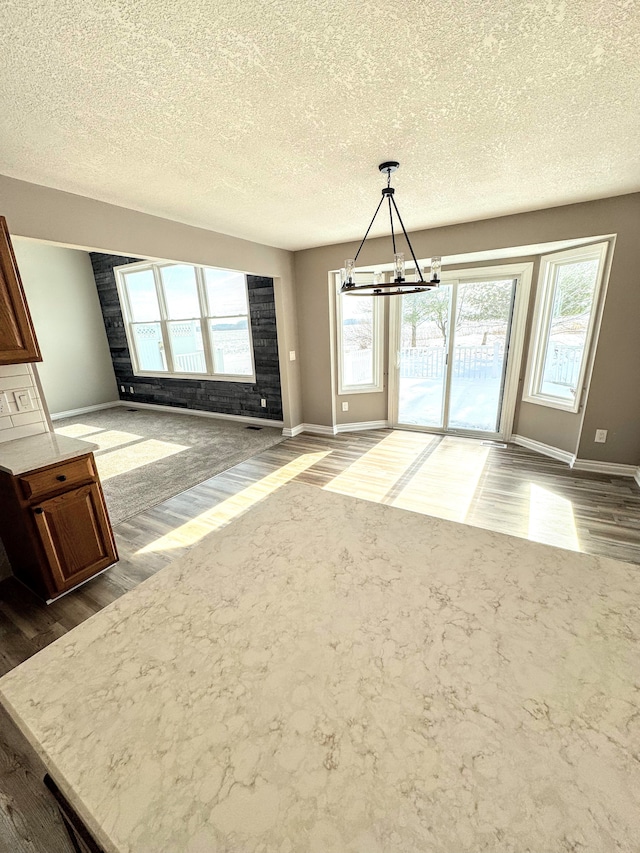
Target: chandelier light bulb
x=398, y=262
x=436, y=265
x=349, y=266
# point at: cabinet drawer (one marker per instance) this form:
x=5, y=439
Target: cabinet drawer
x=58, y=478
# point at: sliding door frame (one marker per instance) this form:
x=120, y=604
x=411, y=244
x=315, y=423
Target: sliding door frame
x=522, y=274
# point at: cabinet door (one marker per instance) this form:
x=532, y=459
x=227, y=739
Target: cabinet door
x=18, y=342
x=75, y=535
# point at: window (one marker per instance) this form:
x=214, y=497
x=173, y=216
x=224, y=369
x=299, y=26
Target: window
x=359, y=342
x=564, y=319
x=187, y=321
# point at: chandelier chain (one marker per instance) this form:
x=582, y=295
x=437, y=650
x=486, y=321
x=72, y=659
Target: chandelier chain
x=393, y=236
x=404, y=231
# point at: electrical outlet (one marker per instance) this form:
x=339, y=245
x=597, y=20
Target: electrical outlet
x=4, y=404
x=345, y=407
x=23, y=400
x=263, y=403
x=131, y=389
x=292, y=355
x=601, y=436
x=122, y=389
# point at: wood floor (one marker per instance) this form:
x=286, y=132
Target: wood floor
x=510, y=490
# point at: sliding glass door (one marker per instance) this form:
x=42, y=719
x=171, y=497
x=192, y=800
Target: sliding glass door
x=423, y=356
x=453, y=347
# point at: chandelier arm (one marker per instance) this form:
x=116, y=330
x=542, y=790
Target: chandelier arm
x=404, y=231
x=393, y=236
x=368, y=229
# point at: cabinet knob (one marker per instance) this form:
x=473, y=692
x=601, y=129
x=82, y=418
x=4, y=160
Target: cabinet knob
x=38, y=510
x=61, y=477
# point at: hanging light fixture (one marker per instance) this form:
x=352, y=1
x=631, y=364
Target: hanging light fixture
x=399, y=284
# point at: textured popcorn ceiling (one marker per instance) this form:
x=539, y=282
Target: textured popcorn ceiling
x=267, y=119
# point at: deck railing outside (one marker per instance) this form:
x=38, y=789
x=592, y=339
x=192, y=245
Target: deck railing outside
x=469, y=362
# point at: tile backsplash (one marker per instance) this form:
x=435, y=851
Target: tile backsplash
x=16, y=424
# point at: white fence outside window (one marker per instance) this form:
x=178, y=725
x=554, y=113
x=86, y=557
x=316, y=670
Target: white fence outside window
x=473, y=362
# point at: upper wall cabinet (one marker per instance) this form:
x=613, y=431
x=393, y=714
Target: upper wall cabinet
x=18, y=342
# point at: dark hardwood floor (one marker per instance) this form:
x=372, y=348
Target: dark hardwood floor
x=510, y=490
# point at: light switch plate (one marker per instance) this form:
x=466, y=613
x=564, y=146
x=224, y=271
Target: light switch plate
x=23, y=400
x=4, y=404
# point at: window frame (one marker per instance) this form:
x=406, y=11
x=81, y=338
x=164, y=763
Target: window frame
x=377, y=342
x=206, y=315
x=542, y=318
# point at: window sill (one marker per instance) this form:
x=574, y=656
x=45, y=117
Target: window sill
x=552, y=403
x=369, y=389
x=198, y=377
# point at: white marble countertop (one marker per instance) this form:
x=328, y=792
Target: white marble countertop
x=38, y=451
x=327, y=675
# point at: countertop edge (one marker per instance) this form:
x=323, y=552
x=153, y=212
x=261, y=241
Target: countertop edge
x=42, y=458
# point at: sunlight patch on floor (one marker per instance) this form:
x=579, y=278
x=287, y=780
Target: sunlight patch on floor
x=446, y=482
x=125, y=459
x=112, y=438
x=218, y=516
x=78, y=430
x=551, y=519
x=375, y=473
x=106, y=439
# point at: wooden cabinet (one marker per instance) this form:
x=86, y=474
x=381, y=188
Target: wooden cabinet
x=55, y=527
x=18, y=342
x=74, y=535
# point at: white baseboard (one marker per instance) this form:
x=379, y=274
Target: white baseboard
x=615, y=469
x=318, y=429
x=58, y=416
x=176, y=410
x=362, y=426
x=292, y=432
x=544, y=449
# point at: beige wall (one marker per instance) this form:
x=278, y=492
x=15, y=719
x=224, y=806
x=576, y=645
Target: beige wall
x=548, y=426
x=76, y=370
x=613, y=402
x=74, y=221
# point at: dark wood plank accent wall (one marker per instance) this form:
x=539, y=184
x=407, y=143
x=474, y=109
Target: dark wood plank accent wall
x=229, y=398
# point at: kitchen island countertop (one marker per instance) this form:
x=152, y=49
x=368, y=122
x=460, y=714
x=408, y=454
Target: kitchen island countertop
x=329, y=675
x=39, y=451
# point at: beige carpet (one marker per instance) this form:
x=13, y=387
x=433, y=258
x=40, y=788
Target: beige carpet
x=145, y=457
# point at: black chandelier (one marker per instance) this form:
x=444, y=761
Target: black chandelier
x=399, y=285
